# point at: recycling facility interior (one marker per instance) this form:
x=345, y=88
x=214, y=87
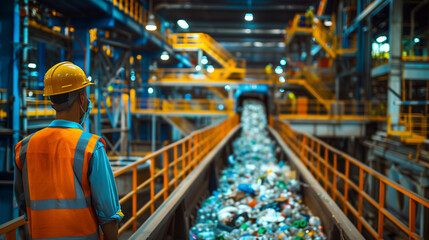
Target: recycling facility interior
x=343, y=83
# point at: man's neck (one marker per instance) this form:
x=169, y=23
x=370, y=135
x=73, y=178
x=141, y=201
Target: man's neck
x=67, y=116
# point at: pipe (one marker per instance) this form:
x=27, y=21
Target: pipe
x=413, y=12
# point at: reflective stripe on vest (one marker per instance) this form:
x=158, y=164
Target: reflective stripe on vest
x=54, y=165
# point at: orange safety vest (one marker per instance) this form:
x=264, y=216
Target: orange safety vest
x=54, y=163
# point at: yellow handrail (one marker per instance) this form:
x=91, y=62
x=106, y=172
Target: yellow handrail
x=197, y=106
x=178, y=159
x=3, y=102
x=206, y=43
x=411, y=127
x=192, y=150
x=337, y=110
x=340, y=174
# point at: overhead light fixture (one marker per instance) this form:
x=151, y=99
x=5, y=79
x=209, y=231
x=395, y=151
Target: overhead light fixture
x=32, y=65
x=198, y=68
x=204, y=60
x=247, y=31
x=248, y=17
x=416, y=40
x=89, y=78
x=150, y=90
x=151, y=26
x=183, y=24
x=282, y=90
x=328, y=23
x=278, y=70
x=210, y=68
x=258, y=44
x=381, y=39
x=165, y=56
x=283, y=61
x=133, y=76
x=282, y=79
x=385, y=47
x=220, y=107
x=227, y=87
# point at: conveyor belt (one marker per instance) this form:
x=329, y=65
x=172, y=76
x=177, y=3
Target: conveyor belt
x=177, y=214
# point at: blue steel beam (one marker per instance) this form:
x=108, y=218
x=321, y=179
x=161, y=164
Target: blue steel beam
x=41, y=64
x=82, y=55
x=370, y=10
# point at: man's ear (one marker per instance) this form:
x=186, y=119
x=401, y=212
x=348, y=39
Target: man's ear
x=81, y=98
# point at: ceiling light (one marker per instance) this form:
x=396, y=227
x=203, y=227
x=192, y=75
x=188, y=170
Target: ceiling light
x=150, y=90
x=381, y=39
x=282, y=90
x=183, y=24
x=328, y=23
x=385, y=47
x=151, y=26
x=32, y=65
x=248, y=17
x=258, y=44
x=227, y=87
x=279, y=70
x=165, y=56
x=283, y=61
x=416, y=40
x=198, y=68
x=247, y=31
x=204, y=60
x=90, y=78
x=282, y=79
x=210, y=68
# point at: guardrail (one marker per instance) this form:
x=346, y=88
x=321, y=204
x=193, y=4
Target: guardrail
x=411, y=127
x=336, y=110
x=206, y=43
x=171, y=164
x=177, y=160
x=219, y=74
x=343, y=178
x=194, y=106
x=37, y=104
x=132, y=8
x=3, y=102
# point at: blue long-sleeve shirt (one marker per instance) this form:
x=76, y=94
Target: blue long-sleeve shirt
x=104, y=194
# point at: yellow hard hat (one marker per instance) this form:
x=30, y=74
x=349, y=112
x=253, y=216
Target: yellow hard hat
x=64, y=77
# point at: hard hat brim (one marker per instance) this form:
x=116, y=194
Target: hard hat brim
x=58, y=93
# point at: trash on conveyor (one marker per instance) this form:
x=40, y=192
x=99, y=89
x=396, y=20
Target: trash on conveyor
x=257, y=196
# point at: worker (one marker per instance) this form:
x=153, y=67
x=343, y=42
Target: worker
x=309, y=16
x=268, y=71
x=63, y=180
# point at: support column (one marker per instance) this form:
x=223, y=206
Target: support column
x=395, y=73
x=360, y=55
x=200, y=56
x=308, y=58
x=368, y=59
x=153, y=133
x=41, y=64
x=82, y=56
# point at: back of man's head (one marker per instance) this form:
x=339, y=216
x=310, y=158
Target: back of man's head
x=63, y=102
